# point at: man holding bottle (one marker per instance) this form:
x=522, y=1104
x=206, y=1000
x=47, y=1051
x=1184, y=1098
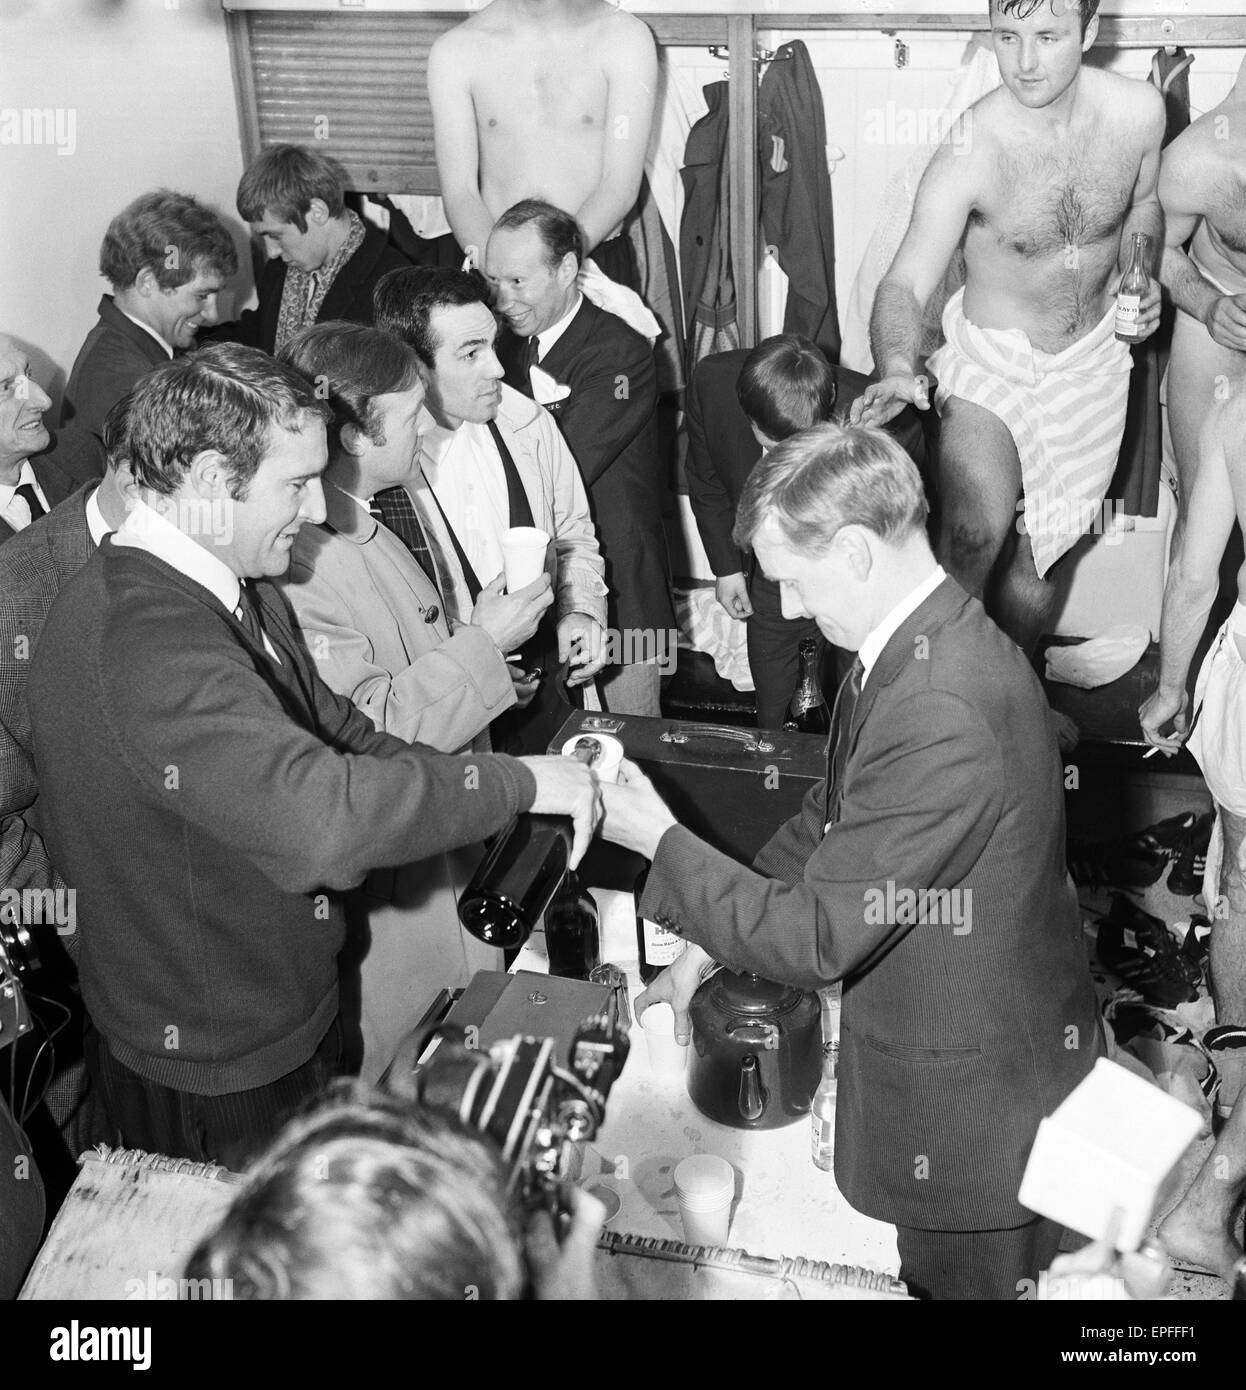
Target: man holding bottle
x=1041, y=186
x=957, y=1036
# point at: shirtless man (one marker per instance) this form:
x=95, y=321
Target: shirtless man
x=1042, y=186
x=1202, y=187
x=1218, y=738
x=548, y=99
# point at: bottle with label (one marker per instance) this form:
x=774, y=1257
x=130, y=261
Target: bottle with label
x=521, y=872
x=822, y=1110
x=1134, y=286
x=656, y=947
x=808, y=713
x=572, y=937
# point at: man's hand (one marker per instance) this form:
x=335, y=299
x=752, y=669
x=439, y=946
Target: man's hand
x=884, y=400
x=525, y=689
x=676, y=985
x=1226, y=321
x=580, y=642
x=731, y=591
x=636, y=816
x=1158, y=710
x=1145, y=1273
x=510, y=619
x=565, y=1273
x=565, y=787
x=1148, y=312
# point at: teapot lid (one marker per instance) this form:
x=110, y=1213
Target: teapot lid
x=750, y=994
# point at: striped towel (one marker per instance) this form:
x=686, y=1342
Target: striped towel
x=1065, y=411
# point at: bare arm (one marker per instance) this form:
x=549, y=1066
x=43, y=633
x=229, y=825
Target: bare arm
x=632, y=75
x=456, y=143
x=1145, y=214
x=1194, y=576
x=940, y=212
x=1185, y=196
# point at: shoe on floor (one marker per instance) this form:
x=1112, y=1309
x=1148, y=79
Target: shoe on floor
x=1141, y=951
x=1186, y=877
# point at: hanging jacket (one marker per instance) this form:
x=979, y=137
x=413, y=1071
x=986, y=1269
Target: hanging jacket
x=795, y=185
x=704, y=235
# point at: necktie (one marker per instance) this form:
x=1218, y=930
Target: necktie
x=398, y=514
x=841, y=737
x=532, y=356
x=37, y=509
x=248, y=614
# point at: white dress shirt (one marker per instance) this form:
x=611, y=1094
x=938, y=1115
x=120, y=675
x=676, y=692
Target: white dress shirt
x=96, y=524
x=14, y=509
x=146, y=529
x=545, y=341
x=464, y=472
x=872, y=648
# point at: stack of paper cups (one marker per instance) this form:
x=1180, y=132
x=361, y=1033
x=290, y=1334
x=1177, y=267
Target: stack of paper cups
x=704, y=1189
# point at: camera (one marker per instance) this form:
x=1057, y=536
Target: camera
x=17, y=962
x=516, y=1092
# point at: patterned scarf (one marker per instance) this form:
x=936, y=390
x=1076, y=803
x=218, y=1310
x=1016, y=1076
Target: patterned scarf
x=305, y=290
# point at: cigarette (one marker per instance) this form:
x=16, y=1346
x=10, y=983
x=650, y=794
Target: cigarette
x=1151, y=752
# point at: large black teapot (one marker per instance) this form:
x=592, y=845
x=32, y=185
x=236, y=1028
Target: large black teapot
x=756, y=1051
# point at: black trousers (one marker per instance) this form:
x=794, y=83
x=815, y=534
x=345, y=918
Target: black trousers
x=773, y=651
x=229, y=1129
x=977, y=1264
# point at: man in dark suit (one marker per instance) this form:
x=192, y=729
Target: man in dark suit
x=926, y=874
x=597, y=378
x=31, y=482
x=174, y=708
x=324, y=261
x=167, y=258
x=34, y=566
x=741, y=403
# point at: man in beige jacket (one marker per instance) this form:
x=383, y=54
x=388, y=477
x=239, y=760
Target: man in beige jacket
x=374, y=621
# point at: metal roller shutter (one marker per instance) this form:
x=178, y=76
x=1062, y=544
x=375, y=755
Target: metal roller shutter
x=351, y=84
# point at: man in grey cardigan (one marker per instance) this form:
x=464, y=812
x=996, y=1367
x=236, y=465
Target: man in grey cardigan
x=205, y=792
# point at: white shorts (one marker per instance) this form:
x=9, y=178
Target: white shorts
x=1218, y=742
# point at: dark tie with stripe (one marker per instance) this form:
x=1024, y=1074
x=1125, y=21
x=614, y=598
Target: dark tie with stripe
x=31, y=498
x=532, y=355
x=840, y=739
x=398, y=514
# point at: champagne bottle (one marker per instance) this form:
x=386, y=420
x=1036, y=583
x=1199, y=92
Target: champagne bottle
x=808, y=713
x=520, y=874
x=572, y=936
x=656, y=947
x=1134, y=285
x=822, y=1111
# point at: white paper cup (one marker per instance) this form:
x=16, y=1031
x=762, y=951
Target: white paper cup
x=704, y=1190
x=665, y=1054
x=607, y=765
x=523, y=555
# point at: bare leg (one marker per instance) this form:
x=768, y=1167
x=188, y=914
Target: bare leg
x=1227, y=947
x=979, y=483
x=1024, y=601
x=1199, y=1229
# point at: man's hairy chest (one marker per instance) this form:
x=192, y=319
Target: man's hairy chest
x=1037, y=203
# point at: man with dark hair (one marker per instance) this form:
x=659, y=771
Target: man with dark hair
x=553, y=100
x=374, y=622
x=369, y=1197
x=31, y=481
x=740, y=404
x=925, y=874
x=174, y=711
x=1042, y=183
x=324, y=261
x=166, y=257
x=492, y=459
x=597, y=378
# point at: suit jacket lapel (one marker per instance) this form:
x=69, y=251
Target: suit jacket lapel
x=901, y=648
x=574, y=340
x=341, y=293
